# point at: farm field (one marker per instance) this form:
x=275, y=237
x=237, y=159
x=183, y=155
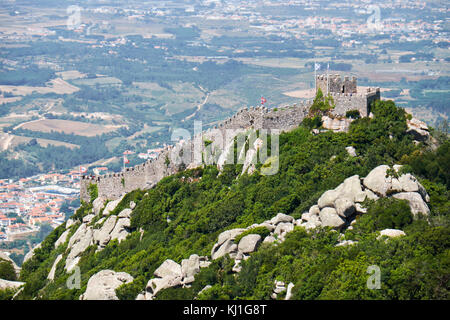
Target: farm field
x=69, y=127
x=58, y=86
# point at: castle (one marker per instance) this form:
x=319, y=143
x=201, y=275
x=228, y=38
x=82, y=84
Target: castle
x=146, y=175
x=345, y=94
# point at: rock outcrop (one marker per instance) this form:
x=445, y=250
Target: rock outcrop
x=337, y=208
x=51, y=274
x=391, y=233
x=79, y=242
x=6, y=284
x=102, y=285
x=30, y=253
x=110, y=206
x=112, y=227
x=418, y=129
x=4, y=256
x=171, y=274
x=62, y=239
x=249, y=243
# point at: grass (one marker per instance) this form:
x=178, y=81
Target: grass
x=69, y=127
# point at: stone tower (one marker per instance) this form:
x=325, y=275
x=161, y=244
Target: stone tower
x=336, y=84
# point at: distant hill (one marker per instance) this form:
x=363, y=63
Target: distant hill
x=211, y=233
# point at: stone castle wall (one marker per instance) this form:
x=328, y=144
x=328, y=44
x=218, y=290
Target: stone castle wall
x=144, y=176
x=354, y=101
x=336, y=84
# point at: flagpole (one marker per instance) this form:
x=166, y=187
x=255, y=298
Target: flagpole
x=328, y=79
x=315, y=76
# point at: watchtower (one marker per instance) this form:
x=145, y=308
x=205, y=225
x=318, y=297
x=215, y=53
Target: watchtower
x=333, y=83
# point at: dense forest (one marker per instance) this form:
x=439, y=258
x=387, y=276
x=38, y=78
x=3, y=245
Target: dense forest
x=182, y=216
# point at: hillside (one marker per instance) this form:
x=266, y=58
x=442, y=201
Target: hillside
x=169, y=242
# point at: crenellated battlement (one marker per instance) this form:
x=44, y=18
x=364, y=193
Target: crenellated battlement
x=113, y=185
x=143, y=176
x=335, y=83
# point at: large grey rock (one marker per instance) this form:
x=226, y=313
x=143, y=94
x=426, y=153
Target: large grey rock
x=141, y=296
x=69, y=223
x=168, y=268
x=229, y=234
x=111, y=206
x=391, y=233
x=97, y=205
x=103, y=235
x=283, y=228
x=120, y=229
x=228, y=247
x=102, y=285
x=51, y=274
x=312, y=224
x=360, y=209
x=314, y=210
x=190, y=267
x=378, y=181
x=79, y=233
x=249, y=243
x=366, y=194
x=88, y=218
x=351, y=151
x=418, y=129
x=281, y=217
x=62, y=239
x=409, y=183
x=415, y=200
x=78, y=245
x=289, y=291
x=344, y=207
x=204, y=262
x=158, y=284
x=6, y=284
x=125, y=213
x=30, y=253
x=350, y=188
x=330, y=218
x=327, y=199
x=266, y=224
x=269, y=239
x=306, y=216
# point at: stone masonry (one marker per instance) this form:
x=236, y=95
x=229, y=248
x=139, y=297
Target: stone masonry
x=146, y=175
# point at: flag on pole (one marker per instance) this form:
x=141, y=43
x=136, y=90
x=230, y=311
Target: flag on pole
x=263, y=100
x=83, y=169
x=125, y=160
x=328, y=78
x=316, y=66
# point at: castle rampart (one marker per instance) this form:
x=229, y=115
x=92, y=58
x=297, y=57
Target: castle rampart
x=144, y=176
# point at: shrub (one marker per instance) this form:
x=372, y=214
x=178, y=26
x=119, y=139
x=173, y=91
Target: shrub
x=93, y=191
x=7, y=271
x=313, y=123
x=262, y=231
x=353, y=114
